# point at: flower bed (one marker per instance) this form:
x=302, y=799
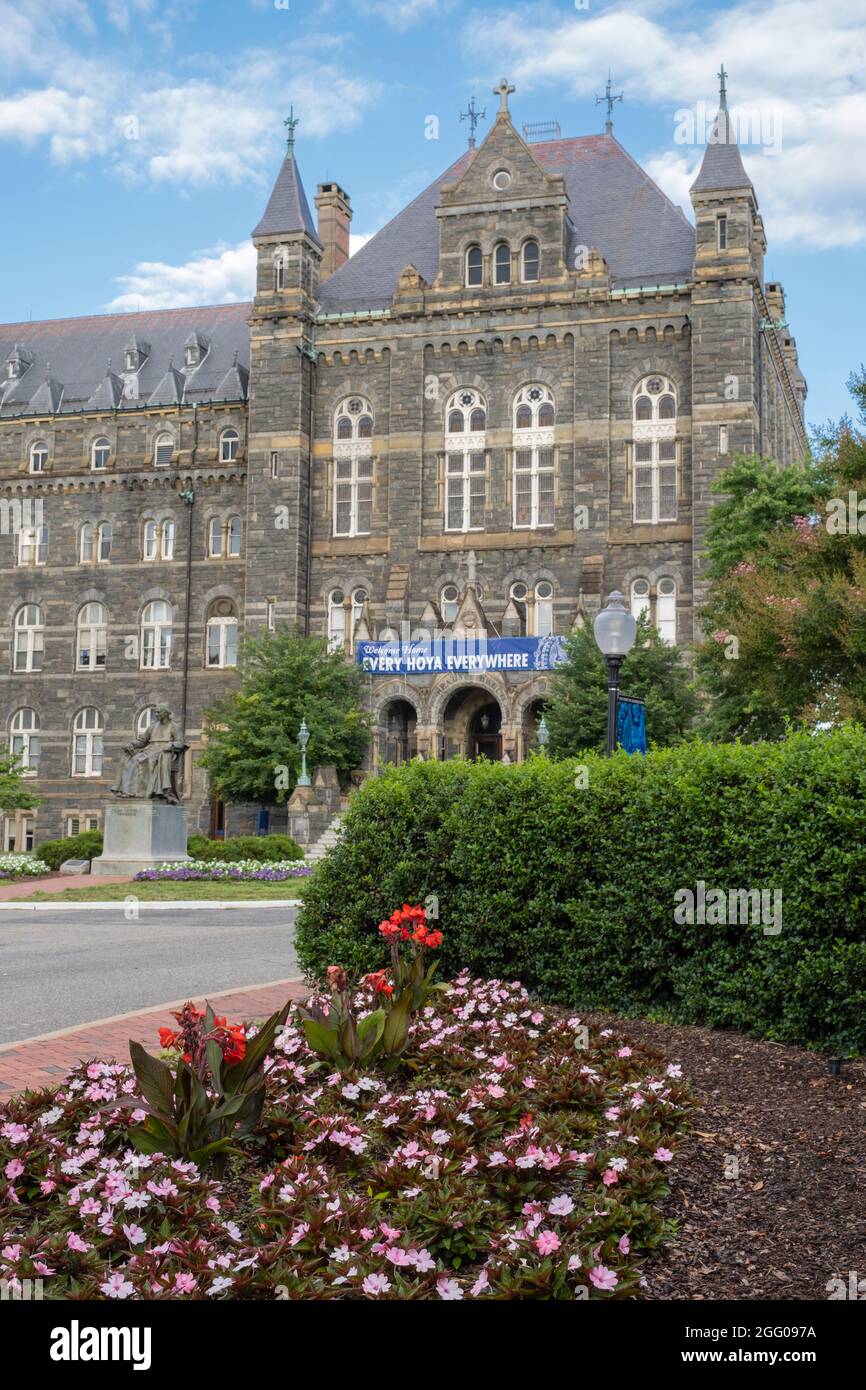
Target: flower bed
x=512, y=1153
x=245, y=871
x=22, y=866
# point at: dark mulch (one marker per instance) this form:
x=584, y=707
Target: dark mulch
x=796, y=1215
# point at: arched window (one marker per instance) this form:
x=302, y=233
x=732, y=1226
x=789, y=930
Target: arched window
x=502, y=264
x=233, y=537
x=279, y=271
x=103, y=541
x=91, y=637
x=87, y=743
x=100, y=453
x=534, y=488
x=24, y=740
x=168, y=534
x=156, y=637
x=336, y=620
x=474, y=266
x=543, y=609
x=353, y=467
x=222, y=634
x=85, y=544
x=215, y=538
x=530, y=261
x=38, y=456
x=149, y=540
x=666, y=611
x=519, y=596
x=229, y=441
x=449, y=603
x=359, y=599
x=654, y=443
x=33, y=545
x=465, y=461
x=144, y=720
x=163, y=450
x=640, y=599
x=29, y=638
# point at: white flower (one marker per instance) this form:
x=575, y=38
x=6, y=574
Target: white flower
x=218, y=1285
x=449, y=1290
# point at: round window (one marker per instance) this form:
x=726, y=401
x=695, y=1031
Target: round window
x=519, y=592
x=544, y=590
x=667, y=586
x=655, y=385
x=501, y=180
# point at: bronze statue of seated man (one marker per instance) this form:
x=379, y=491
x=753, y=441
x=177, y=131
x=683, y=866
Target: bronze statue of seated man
x=152, y=764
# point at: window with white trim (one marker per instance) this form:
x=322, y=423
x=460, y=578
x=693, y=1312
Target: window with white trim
x=33, y=545
x=353, y=467
x=163, y=449
x=530, y=262
x=100, y=454
x=104, y=532
x=543, y=609
x=518, y=595
x=229, y=443
x=449, y=605
x=359, y=600
x=474, y=267
x=640, y=599
x=150, y=541
x=87, y=743
x=156, y=624
x=19, y=833
x=233, y=537
x=38, y=456
x=465, y=461
x=85, y=544
x=169, y=530
x=76, y=823
x=222, y=635
x=336, y=620
x=215, y=539
x=666, y=610
x=29, y=646
x=534, y=458
x=144, y=720
x=502, y=264
x=24, y=741
x=654, y=441
x=91, y=637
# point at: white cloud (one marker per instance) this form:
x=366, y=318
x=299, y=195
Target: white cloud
x=400, y=14
x=791, y=61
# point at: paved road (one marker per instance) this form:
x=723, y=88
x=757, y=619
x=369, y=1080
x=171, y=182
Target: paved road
x=60, y=969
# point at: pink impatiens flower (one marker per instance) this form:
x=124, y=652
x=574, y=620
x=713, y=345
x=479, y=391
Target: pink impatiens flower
x=547, y=1243
x=117, y=1287
x=449, y=1290
x=623, y=1245
x=374, y=1284
x=74, y=1242
x=603, y=1278
x=14, y=1168
x=609, y=1177
x=663, y=1155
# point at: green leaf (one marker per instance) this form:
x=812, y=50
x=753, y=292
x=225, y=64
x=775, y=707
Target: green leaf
x=320, y=1038
x=154, y=1078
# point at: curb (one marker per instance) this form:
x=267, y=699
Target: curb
x=184, y=905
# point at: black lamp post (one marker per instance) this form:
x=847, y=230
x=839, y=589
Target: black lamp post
x=615, y=630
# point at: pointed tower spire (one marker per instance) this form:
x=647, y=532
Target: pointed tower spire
x=722, y=165
x=288, y=210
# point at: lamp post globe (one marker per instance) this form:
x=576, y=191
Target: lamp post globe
x=615, y=631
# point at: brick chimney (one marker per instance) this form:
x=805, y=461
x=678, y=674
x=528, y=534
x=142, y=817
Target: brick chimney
x=335, y=215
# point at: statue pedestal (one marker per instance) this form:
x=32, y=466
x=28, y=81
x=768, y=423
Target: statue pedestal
x=140, y=835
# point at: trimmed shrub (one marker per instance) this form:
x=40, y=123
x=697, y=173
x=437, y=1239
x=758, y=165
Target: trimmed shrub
x=267, y=849
x=574, y=890
x=87, y=845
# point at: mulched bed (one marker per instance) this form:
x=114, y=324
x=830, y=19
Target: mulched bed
x=795, y=1217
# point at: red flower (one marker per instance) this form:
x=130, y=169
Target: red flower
x=378, y=983
x=167, y=1038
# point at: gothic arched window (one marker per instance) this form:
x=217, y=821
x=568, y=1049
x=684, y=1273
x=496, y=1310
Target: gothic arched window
x=654, y=444
x=530, y=261
x=502, y=264
x=534, y=484
x=465, y=461
x=449, y=603
x=474, y=266
x=38, y=456
x=353, y=467
x=640, y=599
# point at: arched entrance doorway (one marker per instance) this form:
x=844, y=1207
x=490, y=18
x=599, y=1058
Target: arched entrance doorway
x=397, y=741
x=472, y=725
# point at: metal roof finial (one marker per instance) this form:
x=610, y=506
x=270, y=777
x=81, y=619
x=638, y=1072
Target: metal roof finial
x=291, y=123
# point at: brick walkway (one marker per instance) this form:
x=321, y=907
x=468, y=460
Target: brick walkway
x=45, y=1061
x=52, y=883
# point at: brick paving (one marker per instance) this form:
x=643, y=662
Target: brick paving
x=52, y=883
x=45, y=1061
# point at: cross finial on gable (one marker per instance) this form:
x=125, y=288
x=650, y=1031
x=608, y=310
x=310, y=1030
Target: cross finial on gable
x=472, y=563
x=723, y=91
x=503, y=91
x=291, y=123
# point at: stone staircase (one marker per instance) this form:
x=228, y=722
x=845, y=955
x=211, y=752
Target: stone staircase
x=324, y=843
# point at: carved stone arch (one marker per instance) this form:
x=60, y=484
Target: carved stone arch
x=220, y=591
x=537, y=689
x=23, y=598
x=397, y=690
x=632, y=336
x=91, y=595
x=157, y=594
x=446, y=686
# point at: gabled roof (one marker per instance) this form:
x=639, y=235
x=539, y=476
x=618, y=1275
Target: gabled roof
x=46, y=400
x=170, y=389
x=288, y=210
x=722, y=165
x=614, y=205
x=108, y=393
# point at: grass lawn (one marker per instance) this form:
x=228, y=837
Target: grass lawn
x=169, y=891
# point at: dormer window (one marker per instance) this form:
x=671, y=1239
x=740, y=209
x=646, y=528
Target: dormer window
x=502, y=264
x=134, y=354
x=131, y=360
x=195, y=350
x=474, y=266
x=16, y=364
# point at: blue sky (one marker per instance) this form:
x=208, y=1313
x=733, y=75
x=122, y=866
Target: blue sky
x=139, y=139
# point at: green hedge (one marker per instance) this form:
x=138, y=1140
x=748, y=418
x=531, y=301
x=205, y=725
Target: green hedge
x=268, y=849
x=87, y=845
x=573, y=890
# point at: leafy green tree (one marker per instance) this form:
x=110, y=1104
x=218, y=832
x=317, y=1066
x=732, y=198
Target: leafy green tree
x=252, y=751
x=15, y=795
x=786, y=623
x=576, y=708
x=757, y=498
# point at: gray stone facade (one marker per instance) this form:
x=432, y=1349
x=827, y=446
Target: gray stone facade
x=626, y=292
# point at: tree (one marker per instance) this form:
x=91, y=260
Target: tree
x=15, y=795
x=576, y=708
x=252, y=751
x=786, y=623
x=758, y=498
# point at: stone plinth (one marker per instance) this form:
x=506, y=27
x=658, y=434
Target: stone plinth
x=140, y=835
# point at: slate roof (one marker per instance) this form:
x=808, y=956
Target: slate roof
x=288, y=209
x=614, y=205
x=78, y=351
x=722, y=166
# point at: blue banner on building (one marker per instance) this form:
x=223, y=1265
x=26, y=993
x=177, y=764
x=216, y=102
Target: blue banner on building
x=631, y=724
x=461, y=656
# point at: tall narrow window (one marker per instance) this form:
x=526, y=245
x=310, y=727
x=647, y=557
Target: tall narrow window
x=654, y=435
x=33, y=545
x=215, y=539
x=168, y=534
x=465, y=461
x=336, y=620
x=29, y=638
x=530, y=261
x=640, y=599
x=353, y=468
x=100, y=454
x=156, y=625
x=229, y=441
x=92, y=637
x=359, y=599
x=450, y=603
x=724, y=447
x=222, y=634
x=233, y=537
x=279, y=271
x=666, y=611
x=722, y=233
x=85, y=543
x=534, y=458
x=275, y=464
x=149, y=540
x=519, y=596
x=543, y=609
x=502, y=264
x=87, y=744
x=38, y=456
x=103, y=541
x=24, y=740
x=474, y=266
